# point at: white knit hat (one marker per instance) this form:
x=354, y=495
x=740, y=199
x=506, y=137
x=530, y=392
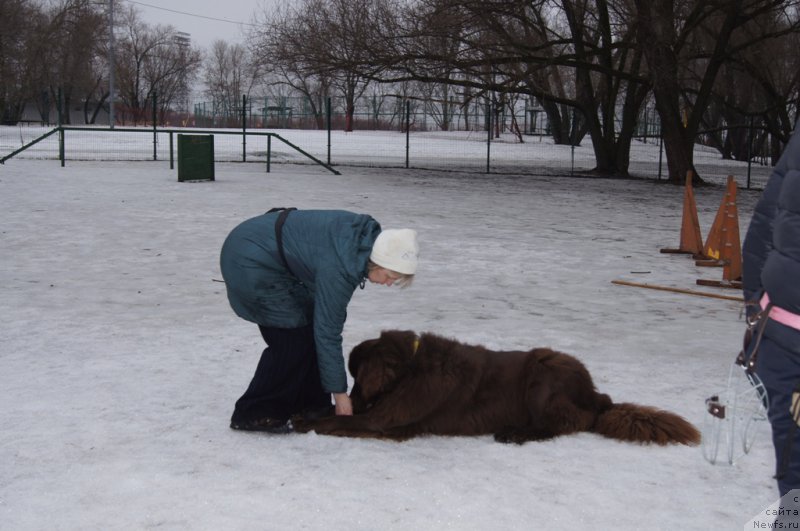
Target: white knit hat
x=397, y=250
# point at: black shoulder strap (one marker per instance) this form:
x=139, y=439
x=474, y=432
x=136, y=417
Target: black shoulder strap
x=284, y=213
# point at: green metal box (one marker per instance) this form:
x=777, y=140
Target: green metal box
x=195, y=157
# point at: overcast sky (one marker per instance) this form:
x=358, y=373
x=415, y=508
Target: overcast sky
x=205, y=20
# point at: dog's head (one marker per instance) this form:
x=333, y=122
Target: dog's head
x=378, y=364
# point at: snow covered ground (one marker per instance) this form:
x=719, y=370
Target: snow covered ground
x=120, y=359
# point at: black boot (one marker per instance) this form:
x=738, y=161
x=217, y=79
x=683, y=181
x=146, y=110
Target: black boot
x=266, y=424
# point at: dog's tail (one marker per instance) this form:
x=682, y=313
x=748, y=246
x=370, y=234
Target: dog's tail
x=644, y=424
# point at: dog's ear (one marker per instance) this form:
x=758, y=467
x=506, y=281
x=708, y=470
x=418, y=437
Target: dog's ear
x=367, y=368
x=369, y=378
x=359, y=353
x=377, y=364
x=400, y=344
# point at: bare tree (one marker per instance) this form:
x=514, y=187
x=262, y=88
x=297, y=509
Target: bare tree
x=68, y=57
x=230, y=74
x=171, y=70
x=310, y=44
x=761, y=93
x=590, y=63
x=274, y=44
x=152, y=62
x=16, y=36
x=566, y=54
x=34, y=70
x=97, y=95
x=674, y=39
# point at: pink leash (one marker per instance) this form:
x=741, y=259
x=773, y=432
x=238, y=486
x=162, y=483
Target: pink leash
x=780, y=315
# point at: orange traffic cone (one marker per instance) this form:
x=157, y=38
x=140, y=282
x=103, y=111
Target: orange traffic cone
x=723, y=244
x=712, y=250
x=691, y=240
x=732, y=250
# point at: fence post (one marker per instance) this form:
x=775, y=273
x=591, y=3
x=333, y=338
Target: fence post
x=244, y=127
x=525, y=117
x=269, y=151
x=656, y=121
x=749, y=151
x=155, y=125
x=328, y=112
x=645, y=126
x=374, y=116
x=408, y=131
x=572, y=140
x=60, y=107
x=488, y=134
x=171, y=153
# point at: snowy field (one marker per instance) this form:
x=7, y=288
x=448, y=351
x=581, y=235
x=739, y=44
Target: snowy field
x=120, y=358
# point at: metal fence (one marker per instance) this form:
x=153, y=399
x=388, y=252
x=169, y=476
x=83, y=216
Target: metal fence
x=386, y=133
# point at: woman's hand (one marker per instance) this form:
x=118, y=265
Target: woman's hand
x=343, y=404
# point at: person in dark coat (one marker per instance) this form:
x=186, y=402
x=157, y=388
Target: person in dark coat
x=771, y=274
x=297, y=293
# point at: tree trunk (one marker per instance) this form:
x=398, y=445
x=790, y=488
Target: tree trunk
x=679, y=150
x=559, y=128
x=349, y=109
x=348, y=117
x=656, y=34
x=97, y=108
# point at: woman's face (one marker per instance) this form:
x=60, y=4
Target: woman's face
x=380, y=275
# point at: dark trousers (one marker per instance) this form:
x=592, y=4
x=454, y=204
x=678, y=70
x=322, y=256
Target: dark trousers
x=286, y=381
x=779, y=369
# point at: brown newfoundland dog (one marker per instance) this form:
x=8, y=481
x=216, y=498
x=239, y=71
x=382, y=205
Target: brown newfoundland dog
x=408, y=385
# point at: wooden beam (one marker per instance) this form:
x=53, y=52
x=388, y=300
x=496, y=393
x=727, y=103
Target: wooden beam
x=677, y=290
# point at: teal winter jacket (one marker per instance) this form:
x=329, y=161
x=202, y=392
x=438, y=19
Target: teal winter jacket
x=327, y=252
